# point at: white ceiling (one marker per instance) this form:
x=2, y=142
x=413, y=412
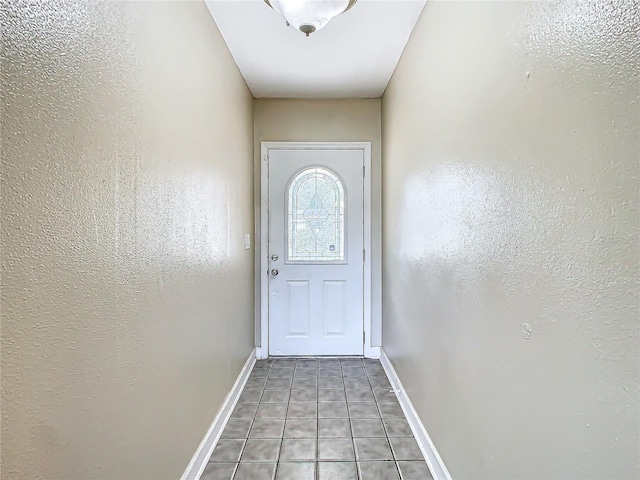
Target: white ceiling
x=353, y=56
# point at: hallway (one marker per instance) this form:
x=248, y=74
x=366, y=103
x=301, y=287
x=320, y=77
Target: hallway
x=497, y=244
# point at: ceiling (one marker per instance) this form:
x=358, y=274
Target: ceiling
x=353, y=56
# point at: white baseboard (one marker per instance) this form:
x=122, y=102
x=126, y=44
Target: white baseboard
x=204, y=451
x=435, y=463
x=261, y=353
x=371, y=352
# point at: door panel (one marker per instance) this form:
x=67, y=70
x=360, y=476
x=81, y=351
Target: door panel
x=299, y=312
x=334, y=307
x=316, y=252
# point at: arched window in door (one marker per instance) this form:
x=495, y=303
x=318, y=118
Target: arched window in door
x=316, y=217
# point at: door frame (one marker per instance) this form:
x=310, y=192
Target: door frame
x=262, y=267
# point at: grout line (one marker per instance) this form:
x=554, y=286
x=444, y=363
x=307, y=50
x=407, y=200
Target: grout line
x=264, y=386
x=353, y=440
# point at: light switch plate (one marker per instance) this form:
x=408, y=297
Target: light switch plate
x=247, y=241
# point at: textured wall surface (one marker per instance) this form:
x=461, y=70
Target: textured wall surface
x=340, y=120
x=127, y=297
x=511, y=285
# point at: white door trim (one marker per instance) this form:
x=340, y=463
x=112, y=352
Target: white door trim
x=262, y=351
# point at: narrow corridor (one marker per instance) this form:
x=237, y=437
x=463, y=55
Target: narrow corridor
x=142, y=271
x=324, y=419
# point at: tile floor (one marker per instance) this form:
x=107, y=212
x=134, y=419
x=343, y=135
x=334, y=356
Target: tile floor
x=317, y=419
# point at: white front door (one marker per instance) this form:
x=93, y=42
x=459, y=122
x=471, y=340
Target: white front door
x=316, y=252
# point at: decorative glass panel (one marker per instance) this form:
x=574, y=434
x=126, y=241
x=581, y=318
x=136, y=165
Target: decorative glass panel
x=315, y=217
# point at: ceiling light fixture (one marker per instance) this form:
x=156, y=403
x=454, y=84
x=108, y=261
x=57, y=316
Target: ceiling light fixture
x=309, y=16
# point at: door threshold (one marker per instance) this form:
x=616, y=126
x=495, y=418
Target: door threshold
x=312, y=356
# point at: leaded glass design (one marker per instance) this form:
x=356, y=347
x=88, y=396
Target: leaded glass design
x=315, y=217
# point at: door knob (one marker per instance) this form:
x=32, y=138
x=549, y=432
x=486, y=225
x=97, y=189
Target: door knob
x=274, y=273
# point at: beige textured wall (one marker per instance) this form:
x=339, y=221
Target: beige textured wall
x=127, y=297
x=339, y=120
x=511, y=284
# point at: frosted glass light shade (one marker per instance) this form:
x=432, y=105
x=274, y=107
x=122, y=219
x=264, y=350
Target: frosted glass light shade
x=309, y=16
